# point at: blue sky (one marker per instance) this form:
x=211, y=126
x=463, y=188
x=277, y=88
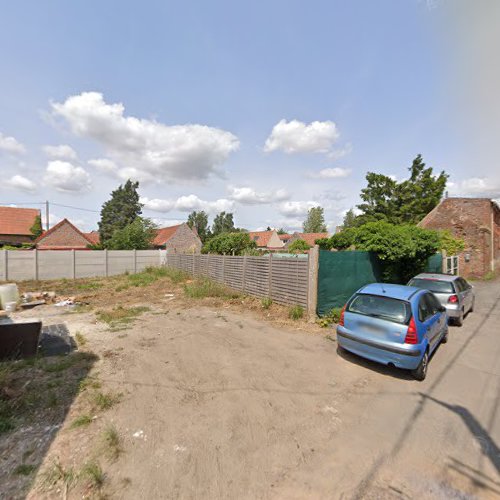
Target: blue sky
x=263, y=108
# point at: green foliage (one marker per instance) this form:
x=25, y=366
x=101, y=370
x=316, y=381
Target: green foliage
x=450, y=244
x=350, y=219
x=344, y=239
x=405, y=202
x=298, y=246
x=81, y=421
x=199, y=221
x=315, y=222
x=333, y=316
x=24, y=469
x=36, y=229
x=223, y=223
x=229, y=244
x=296, y=312
x=266, y=302
x=281, y=231
x=204, y=287
x=138, y=235
x=120, y=211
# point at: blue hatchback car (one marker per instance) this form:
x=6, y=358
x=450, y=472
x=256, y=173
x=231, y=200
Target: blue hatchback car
x=394, y=325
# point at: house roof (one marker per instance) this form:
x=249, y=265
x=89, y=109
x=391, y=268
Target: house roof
x=164, y=234
x=17, y=221
x=284, y=236
x=57, y=226
x=310, y=238
x=261, y=237
x=93, y=236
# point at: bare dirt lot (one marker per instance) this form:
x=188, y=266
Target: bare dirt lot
x=210, y=401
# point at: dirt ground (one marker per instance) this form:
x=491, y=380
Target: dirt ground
x=216, y=403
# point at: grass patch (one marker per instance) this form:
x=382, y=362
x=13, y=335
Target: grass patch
x=80, y=339
x=81, y=421
x=112, y=442
x=105, y=401
x=24, y=469
x=56, y=473
x=89, y=383
x=266, y=302
x=152, y=274
x=60, y=364
x=121, y=316
x=204, y=287
x=93, y=285
x=490, y=275
x=333, y=316
x=296, y=312
x=94, y=475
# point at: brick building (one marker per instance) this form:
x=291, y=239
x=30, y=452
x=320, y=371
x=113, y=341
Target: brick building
x=15, y=225
x=309, y=238
x=64, y=236
x=178, y=239
x=477, y=222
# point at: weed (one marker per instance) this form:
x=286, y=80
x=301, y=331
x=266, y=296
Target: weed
x=490, y=275
x=24, y=469
x=333, y=316
x=296, y=312
x=266, y=302
x=89, y=383
x=104, y=401
x=120, y=288
x=57, y=473
x=93, y=472
x=81, y=421
x=65, y=362
x=80, y=308
x=80, y=339
x=93, y=285
x=112, y=442
x=120, y=316
x=205, y=287
x=52, y=399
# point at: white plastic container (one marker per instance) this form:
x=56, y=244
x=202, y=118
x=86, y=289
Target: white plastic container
x=8, y=293
x=11, y=307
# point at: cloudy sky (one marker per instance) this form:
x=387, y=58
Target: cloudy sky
x=263, y=108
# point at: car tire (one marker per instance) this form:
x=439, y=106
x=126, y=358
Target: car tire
x=471, y=310
x=445, y=336
x=421, y=371
x=460, y=320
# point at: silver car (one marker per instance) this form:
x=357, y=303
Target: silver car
x=453, y=292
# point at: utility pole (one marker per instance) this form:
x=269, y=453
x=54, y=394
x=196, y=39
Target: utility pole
x=47, y=215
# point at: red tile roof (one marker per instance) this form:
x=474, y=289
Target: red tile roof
x=93, y=236
x=284, y=236
x=17, y=221
x=310, y=238
x=164, y=234
x=55, y=228
x=261, y=238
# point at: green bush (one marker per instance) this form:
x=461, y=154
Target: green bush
x=229, y=244
x=266, y=302
x=298, y=246
x=296, y=312
x=333, y=316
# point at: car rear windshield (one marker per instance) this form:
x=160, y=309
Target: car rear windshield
x=432, y=285
x=377, y=306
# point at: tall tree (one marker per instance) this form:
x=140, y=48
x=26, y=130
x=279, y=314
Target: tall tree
x=199, y=221
x=281, y=231
x=138, y=235
x=315, y=221
x=36, y=229
x=223, y=223
x=350, y=219
x=120, y=210
x=408, y=201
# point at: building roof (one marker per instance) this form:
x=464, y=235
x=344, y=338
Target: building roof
x=261, y=238
x=310, y=238
x=17, y=221
x=164, y=234
x=284, y=236
x=57, y=226
x=93, y=236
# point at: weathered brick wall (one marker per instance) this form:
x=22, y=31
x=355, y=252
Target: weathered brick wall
x=13, y=238
x=469, y=219
x=184, y=241
x=63, y=236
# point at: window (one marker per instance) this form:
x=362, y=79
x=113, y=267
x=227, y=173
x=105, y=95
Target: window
x=376, y=306
x=432, y=285
x=424, y=310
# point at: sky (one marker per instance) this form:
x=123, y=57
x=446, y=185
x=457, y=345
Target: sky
x=262, y=108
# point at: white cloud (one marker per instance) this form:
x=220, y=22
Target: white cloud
x=61, y=152
x=248, y=196
x=11, y=145
x=296, y=208
x=341, y=152
x=21, y=183
x=298, y=137
x=331, y=173
x=151, y=150
x=475, y=186
x=105, y=165
x=187, y=204
x=66, y=177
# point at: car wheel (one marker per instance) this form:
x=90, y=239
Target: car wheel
x=445, y=336
x=460, y=320
x=471, y=310
x=421, y=371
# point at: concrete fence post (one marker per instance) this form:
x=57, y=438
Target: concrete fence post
x=312, y=282
x=270, y=283
x=73, y=264
x=35, y=263
x=106, y=262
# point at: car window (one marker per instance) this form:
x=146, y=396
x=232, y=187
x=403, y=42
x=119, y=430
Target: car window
x=424, y=311
x=464, y=285
x=376, y=306
x=458, y=285
x=433, y=303
x=433, y=285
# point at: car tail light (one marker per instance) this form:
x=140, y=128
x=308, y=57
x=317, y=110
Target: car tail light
x=453, y=299
x=411, y=334
x=341, y=320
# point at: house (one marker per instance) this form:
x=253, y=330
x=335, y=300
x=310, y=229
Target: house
x=15, y=225
x=94, y=237
x=285, y=238
x=268, y=240
x=178, y=239
x=477, y=222
x=309, y=238
x=64, y=236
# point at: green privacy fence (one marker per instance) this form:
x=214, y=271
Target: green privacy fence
x=342, y=273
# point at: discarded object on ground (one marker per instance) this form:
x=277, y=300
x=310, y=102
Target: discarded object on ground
x=32, y=303
x=8, y=293
x=19, y=340
x=10, y=307
x=65, y=302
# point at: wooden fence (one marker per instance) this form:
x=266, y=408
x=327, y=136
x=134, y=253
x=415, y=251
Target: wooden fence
x=284, y=280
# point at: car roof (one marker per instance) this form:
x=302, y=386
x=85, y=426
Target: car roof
x=436, y=276
x=400, y=292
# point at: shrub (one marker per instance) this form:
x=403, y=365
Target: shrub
x=266, y=302
x=333, y=316
x=296, y=312
x=205, y=287
x=298, y=246
x=229, y=244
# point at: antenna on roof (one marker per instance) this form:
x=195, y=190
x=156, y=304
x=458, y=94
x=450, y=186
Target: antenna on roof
x=383, y=289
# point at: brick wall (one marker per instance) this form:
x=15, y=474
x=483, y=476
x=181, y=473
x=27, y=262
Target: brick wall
x=184, y=241
x=15, y=238
x=471, y=220
x=64, y=236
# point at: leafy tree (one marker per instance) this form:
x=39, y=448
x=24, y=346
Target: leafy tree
x=281, y=231
x=36, y=229
x=298, y=246
x=350, y=219
x=223, y=223
x=229, y=244
x=405, y=202
x=199, y=221
x=138, y=235
x=450, y=244
x=119, y=211
x=268, y=228
x=315, y=222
